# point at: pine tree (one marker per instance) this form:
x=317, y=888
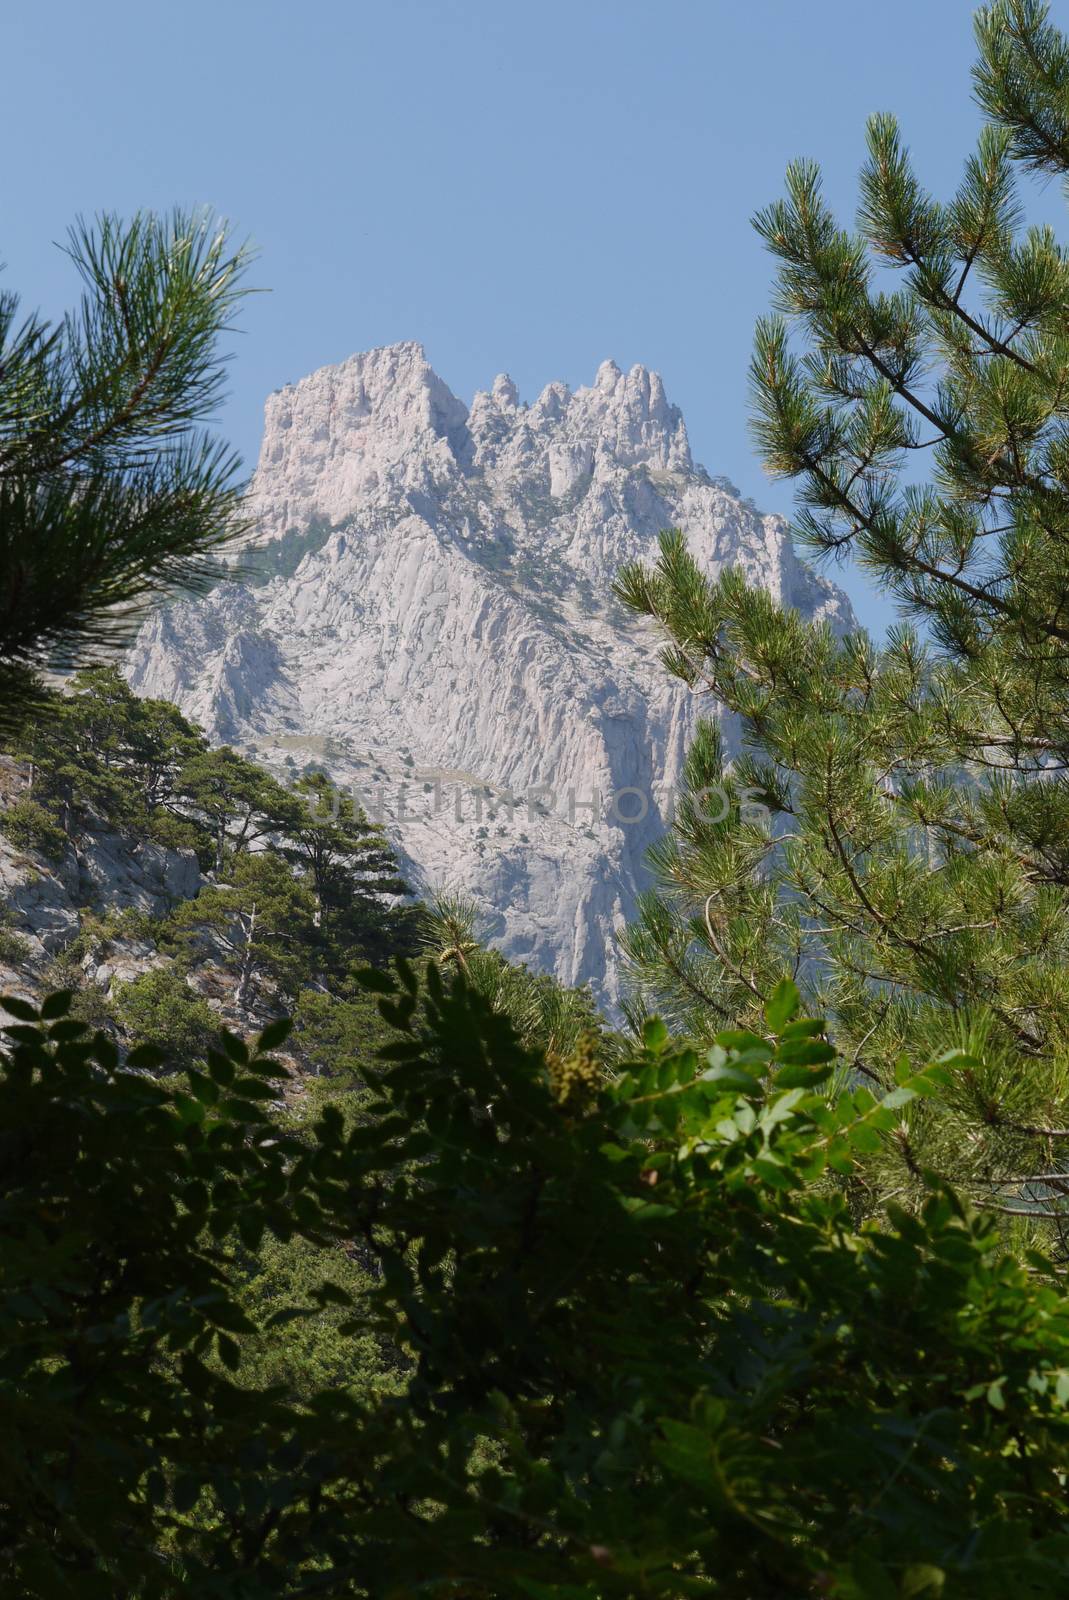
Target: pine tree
x=235, y=800
x=349, y=860
x=258, y=922
x=101, y=749
x=111, y=490
x=910, y=865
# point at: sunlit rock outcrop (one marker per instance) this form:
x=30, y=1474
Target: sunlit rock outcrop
x=427, y=613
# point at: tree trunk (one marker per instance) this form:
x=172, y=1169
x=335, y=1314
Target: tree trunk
x=247, y=964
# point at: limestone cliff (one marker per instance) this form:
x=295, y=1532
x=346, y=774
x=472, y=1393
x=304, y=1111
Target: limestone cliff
x=426, y=612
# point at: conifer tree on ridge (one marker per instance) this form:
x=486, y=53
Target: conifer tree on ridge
x=914, y=872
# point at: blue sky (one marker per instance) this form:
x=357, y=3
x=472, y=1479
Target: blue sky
x=522, y=187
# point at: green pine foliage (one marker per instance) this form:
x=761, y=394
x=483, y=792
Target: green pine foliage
x=100, y=751
x=31, y=826
x=112, y=490
x=543, y=1012
x=896, y=835
x=257, y=923
x=99, y=755
x=350, y=866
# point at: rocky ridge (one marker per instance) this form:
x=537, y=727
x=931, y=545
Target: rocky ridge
x=45, y=899
x=426, y=612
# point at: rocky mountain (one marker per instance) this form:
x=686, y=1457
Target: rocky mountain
x=426, y=612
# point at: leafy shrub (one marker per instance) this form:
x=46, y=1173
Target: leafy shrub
x=30, y=826
x=635, y=1345
x=13, y=947
x=160, y=1009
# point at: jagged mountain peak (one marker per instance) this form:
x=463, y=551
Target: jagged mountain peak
x=441, y=613
x=383, y=424
x=625, y=417
x=380, y=422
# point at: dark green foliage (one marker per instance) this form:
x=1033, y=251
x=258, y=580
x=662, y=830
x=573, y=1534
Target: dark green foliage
x=351, y=868
x=101, y=751
x=339, y=1032
x=308, y=1356
x=13, y=947
x=237, y=802
x=160, y=1009
x=119, y=1317
x=319, y=882
x=628, y=1348
x=30, y=826
x=258, y=922
x=896, y=835
x=110, y=489
x=542, y=1011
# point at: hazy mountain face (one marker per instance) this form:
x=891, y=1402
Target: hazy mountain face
x=431, y=620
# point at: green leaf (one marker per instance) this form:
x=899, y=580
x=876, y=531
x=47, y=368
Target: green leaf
x=782, y=1004
x=229, y=1351
x=185, y=1493
x=56, y=1005
x=274, y=1034
x=802, y=1077
x=23, y=1033
x=235, y=1110
x=376, y=982
x=189, y=1109
x=195, y=1375
x=740, y=1039
x=19, y=1008
x=280, y=1319
x=250, y=1229
x=331, y=1294
x=235, y=1048
x=202, y=1087
x=805, y=1052
x=147, y=1056
x=806, y=1028
x=774, y=1173
x=864, y=1138
x=67, y=1028
x=654, y=1035
x=407, y=974
x=921, y=1579
x=731, y=1077
x=254, y=1089
x=756, y=1056
x=221, y=1068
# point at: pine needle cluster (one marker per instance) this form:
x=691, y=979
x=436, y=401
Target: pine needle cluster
x=112, y=487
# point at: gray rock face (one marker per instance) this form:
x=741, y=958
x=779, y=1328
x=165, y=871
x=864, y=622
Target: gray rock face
x=432, y=621
x=103, y=871
x=39, y=897
x=144, y=876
